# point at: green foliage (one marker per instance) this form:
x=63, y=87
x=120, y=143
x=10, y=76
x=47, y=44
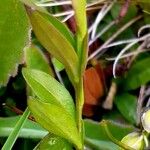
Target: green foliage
x=34, y=130
x=82, y=33
x=51, y=105
x=84, y=54
x=97, y=138
x=49, y=90
x=138, y=75
x=55, y=119
x=53, y=142
x=14, y=134
x=54, y=100
x=126, y=104
x=101, y=145
x=98, y=132
x=55, y=42
x=80, y=16
x=14, y=36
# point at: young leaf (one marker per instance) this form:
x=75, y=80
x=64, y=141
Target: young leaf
x=84, y=55
x=53, y=142
x=127, y=103
x=56, y=120
x=49, y=90
x=49, y=33
x=138, y=75
x=35, y=59
x=82, y=34
x=80, y=16
x=14, y=36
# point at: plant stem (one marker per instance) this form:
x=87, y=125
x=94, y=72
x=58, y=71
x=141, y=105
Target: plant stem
x=114, y=140
x=79, y=106
x=79, y=7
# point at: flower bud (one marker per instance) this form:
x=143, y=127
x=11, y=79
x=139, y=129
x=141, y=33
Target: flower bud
x=134, y=140
x=145, y=119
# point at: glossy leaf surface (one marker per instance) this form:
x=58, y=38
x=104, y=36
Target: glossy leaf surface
x=56, y=120
x=53, y=142
x=14, y=36
x=49, y=90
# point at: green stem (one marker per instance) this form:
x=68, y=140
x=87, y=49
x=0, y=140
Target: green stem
x=114, y=140
x=79, y=106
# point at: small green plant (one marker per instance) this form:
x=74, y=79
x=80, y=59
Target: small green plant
x=49, y=103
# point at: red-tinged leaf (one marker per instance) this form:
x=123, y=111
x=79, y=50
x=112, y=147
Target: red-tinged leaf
x=93, y=89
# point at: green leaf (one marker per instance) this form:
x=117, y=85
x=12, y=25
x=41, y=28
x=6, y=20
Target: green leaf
x=80, y=17
x=49, y=90
x=35, y=59
x=14, y=36
x=53, y=142
x=84, y=55
x=96, y=137
x=56, y=120
x=138, y=75
x=61, y=27
x=82, y=34
x=126, y=104
x=14, y=134
x=30, y=129
x=50, y=33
